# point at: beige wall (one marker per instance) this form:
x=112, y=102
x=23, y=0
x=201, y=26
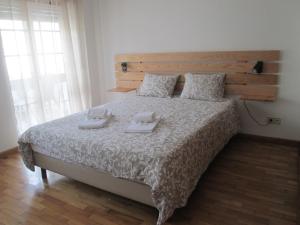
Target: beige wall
x=136, y=26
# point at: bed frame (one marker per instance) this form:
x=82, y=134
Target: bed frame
x=130, y=69
x=129, y=189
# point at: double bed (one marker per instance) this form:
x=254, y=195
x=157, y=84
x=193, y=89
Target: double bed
x=160, y=169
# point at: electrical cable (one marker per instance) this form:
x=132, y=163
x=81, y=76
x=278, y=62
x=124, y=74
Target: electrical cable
x=252, y=117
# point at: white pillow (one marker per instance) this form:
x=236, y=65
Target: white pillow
x=203, y=86
x=158, y=85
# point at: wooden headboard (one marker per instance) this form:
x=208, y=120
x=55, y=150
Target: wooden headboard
x=237, y=65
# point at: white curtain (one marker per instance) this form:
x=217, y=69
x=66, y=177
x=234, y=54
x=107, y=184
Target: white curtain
x=8, y=131
x=45, y=54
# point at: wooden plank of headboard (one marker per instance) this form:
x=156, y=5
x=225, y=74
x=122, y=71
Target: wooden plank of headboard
x=231, y=78
x=272, y=55
x=195, y=67
x=236, y=65
x=254, y=92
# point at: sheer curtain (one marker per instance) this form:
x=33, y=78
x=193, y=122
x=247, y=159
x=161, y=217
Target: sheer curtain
x=8, y=131
x=45, y=55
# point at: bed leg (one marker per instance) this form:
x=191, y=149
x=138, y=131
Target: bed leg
x=44, y=173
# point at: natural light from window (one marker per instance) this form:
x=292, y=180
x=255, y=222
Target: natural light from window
x=35, y=59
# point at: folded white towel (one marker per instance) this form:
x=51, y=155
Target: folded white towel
x=98, y=113
x=135, y=127
x=144, y=117
x=94, y=124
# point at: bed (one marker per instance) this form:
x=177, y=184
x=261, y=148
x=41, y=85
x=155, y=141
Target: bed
x=160, y=169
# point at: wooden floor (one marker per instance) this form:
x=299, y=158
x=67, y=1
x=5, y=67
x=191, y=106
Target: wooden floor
x=249, y=183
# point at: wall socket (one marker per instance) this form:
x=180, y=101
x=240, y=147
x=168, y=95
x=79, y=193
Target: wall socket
x=273, y=120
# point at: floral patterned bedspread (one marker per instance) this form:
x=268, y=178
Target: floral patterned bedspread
x=170, y=160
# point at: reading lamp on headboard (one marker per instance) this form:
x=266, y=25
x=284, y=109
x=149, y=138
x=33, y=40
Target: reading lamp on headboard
x=124, y=67
x=258, y=67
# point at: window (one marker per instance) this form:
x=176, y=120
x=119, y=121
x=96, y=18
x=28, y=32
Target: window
x=38, y=62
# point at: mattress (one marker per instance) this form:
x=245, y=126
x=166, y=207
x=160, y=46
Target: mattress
x=170, y=160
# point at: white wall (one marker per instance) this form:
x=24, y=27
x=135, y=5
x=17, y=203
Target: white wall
x=140, y=26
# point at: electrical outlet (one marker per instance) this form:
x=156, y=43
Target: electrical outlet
x=273, y=120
